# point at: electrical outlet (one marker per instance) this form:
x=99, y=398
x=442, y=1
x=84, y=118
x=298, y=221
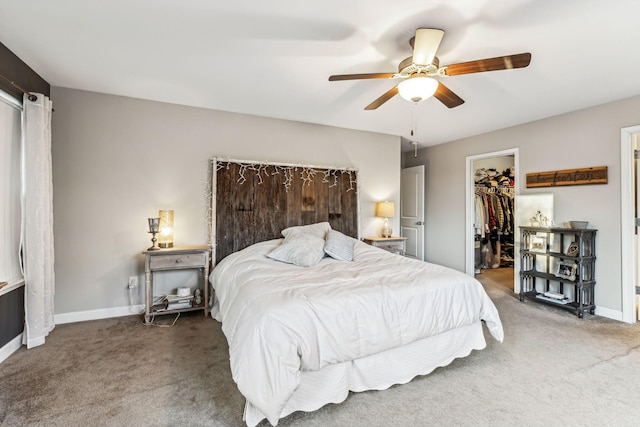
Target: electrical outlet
x=133, y=282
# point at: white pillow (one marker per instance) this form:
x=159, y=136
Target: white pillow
x=302, y=249
x=339, y=246
x=319, y=229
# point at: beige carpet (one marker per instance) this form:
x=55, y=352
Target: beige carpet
x=552, y=369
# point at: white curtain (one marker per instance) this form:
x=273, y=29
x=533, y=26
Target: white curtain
x=37, y=219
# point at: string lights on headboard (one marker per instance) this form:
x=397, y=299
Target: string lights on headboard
x=307, y=173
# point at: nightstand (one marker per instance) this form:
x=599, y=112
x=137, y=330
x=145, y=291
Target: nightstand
x=393, y=244
x=178, y=258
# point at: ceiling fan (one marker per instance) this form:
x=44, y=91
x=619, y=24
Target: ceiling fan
x=418, y=71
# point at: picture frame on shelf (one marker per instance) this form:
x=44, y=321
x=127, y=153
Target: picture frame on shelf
x=538, y=243
x=566, y=270
x=573, y=249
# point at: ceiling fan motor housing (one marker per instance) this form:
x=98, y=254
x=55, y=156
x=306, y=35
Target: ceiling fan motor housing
x=407, y=68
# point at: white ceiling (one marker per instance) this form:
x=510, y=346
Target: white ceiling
x=273, y=57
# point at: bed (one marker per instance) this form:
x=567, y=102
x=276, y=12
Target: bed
x=304, y=330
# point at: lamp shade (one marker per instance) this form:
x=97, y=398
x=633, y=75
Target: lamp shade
x=385, y=209
x=417, y=88
x=154, y=225
x=165, y=238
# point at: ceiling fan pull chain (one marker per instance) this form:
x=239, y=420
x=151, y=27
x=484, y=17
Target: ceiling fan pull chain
x=414, y=121
x=414, y=124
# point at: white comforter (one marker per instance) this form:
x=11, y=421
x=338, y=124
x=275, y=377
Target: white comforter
x=280, y=319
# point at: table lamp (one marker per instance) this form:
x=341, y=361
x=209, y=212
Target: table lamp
x=154, y=228
x=165, y=239
x=386, y=210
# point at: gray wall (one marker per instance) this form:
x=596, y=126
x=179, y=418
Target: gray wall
x=117, y=160
x=585, y=138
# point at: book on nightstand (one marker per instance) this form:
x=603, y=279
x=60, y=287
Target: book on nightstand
x=179, y=305
x=175, y=302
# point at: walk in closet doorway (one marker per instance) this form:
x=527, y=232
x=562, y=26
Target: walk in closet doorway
x=491, y=219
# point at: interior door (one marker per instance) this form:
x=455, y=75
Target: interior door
x=412, y=211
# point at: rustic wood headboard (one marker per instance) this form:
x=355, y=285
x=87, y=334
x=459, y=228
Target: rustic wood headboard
x=253, y=202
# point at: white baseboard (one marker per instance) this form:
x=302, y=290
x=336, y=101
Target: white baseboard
x=11, y=347
x=607, y=312
x=103, y=313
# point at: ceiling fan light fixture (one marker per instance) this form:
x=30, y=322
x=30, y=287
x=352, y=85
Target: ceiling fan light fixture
x=416, y=89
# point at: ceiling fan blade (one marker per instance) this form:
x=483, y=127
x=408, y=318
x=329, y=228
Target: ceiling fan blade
x=520, y=60
x=382, y=99
x=361, y=76
x=425, y=45
x=447, y=97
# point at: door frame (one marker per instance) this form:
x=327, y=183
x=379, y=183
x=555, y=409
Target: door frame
x=470, y=205
x=629, y=257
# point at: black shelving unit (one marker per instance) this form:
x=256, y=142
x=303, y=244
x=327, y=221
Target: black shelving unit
x=557, y=267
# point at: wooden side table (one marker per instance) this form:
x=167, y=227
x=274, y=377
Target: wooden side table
x=393, y=244
x=178, y=258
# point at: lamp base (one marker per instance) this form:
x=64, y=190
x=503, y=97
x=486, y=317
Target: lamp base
x=153, y=240
x=165, y=245
x=386, y=229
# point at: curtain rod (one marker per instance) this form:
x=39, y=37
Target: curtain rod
x=32, y=97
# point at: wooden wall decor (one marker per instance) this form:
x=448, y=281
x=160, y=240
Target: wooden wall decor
x=254, y=202
x=584, y=176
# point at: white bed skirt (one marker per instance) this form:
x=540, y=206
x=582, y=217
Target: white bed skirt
x=377, y=372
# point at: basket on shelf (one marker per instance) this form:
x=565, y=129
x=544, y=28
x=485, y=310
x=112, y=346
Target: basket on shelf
x=578, y=225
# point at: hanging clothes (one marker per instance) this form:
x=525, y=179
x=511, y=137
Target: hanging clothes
x=494, y=219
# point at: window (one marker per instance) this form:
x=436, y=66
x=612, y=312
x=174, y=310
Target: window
x=10, y=204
